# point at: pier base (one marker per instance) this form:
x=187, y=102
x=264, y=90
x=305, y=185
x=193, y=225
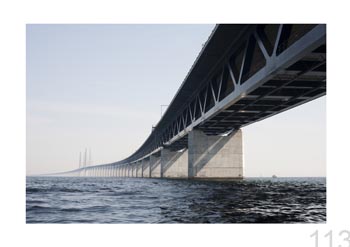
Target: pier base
x=145, y=168
x=174, y=164
x=155, y=168
x=215, y=156
x=139, y=169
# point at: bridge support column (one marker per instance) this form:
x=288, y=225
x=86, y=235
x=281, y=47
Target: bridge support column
x=174, y=164
x=155, y=168
x=145, y=168
x=139, y=165
x=135, y=169
x=215, y=156
x=132, y=170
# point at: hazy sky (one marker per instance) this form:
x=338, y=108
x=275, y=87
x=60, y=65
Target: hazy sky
x=101, y=87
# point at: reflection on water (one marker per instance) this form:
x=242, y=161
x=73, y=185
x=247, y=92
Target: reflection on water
x=123, y=200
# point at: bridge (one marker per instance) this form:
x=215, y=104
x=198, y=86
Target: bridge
x=243, y=74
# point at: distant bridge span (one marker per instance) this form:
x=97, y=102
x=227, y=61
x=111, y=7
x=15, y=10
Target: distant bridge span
x=243, y=74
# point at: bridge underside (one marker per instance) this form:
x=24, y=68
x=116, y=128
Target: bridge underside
x=245, y=73
x=299, y=83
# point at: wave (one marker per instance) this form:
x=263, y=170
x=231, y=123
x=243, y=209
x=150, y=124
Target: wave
x=52, y=189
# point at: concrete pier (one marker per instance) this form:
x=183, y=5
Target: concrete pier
x=155, y=166
x=134, y=170
x=146, y=172
x=124, y=170
x=139, y=169
x=174, y=164
x=215, y=156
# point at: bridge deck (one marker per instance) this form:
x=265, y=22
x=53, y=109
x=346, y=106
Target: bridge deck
x=243, y=74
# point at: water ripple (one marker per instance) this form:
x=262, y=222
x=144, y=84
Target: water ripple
x=121, y=200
